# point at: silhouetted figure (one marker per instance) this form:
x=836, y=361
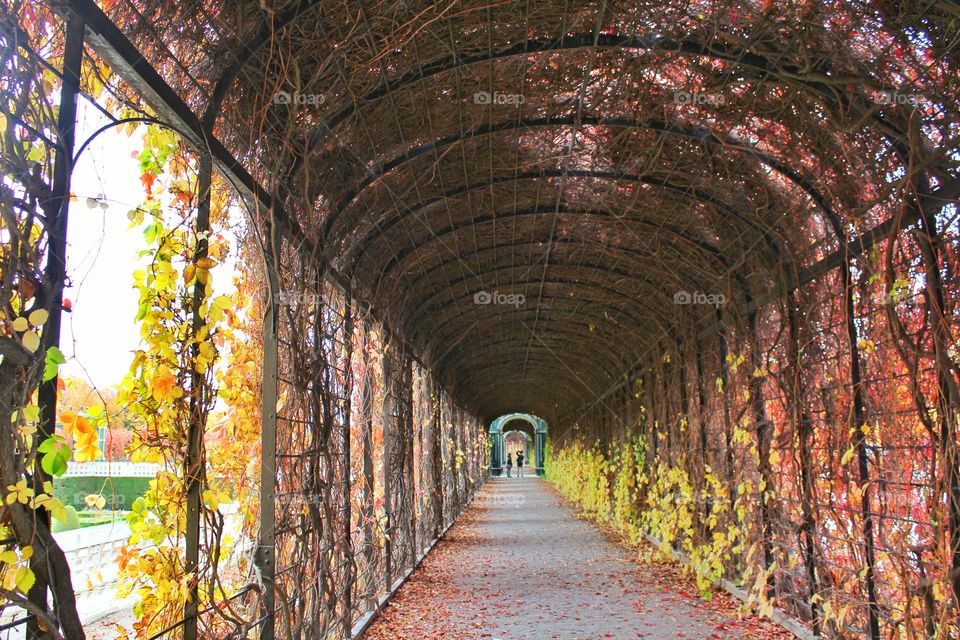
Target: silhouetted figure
x=509, y=464
x=519, y=464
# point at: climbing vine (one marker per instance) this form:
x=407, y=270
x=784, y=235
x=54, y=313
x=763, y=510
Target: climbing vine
x=196, y=348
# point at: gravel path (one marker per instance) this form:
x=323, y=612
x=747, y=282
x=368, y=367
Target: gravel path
x=519, y=565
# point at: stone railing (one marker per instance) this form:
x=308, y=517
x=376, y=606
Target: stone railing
x=104, y=469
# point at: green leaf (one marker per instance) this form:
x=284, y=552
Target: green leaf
x=50, y=444
x=150, y=232
x=54, y=464
x=52, y=362
x=56, y=454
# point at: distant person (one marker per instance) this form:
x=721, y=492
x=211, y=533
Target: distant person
x=519, y=464
x=509, y=464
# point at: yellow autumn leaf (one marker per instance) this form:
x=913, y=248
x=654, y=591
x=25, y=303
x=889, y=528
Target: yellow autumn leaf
x=847, y=456
x=87, y=452
x=85, y=446
x=51, y=504
x=67, y=419
x=31, y=341
x=19, y=492
x=163, y=385
x=208, y=351
x=38, y=317
x=21, y=324
x=24, y=580
x=84, y=426
x=211, y=500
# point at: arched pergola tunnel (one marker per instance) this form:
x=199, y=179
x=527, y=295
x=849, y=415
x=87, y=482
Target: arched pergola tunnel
x=535, y=431
x=712, y=246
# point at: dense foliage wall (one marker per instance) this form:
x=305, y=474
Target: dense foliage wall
x=806, y=451
x=306, y=456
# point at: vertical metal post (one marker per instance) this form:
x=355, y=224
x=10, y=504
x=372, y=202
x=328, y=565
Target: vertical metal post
x=702, y=426
x=457, y=473
x=366, y=403
x=266, y=560
x=628, y=407
x=684, y=394
x=654, y=399
x=763, y=443
x=347, y=619
x=860, y=444
x=436, y=432
x=388, y=428
x=194, y=460
x=494, y=454
x=55, y=273
x=408, y=452
x=701, y=407
x=803, y=426
x=539, y=445
x=725, y=383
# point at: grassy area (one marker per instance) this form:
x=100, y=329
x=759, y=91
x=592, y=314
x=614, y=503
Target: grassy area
x=118, y=492
x=87, y=518
x=94, y=518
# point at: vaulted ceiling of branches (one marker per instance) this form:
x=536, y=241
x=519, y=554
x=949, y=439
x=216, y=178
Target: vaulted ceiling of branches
x=598, y=193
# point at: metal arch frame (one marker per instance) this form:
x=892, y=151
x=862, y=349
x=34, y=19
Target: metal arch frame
x=233, y=71
x=492, y=216
x=570, y=397
x=497, y=443
x=605, y=361
x=499, y=319
x=787, y=75
x=493, y=323
x=566, y=307
x=632, y=259
x=612, y=176
x=384, y=168
x=507, y=316
x=570, y=386
x=557, y=374
x=428, y=304
x=109, y=42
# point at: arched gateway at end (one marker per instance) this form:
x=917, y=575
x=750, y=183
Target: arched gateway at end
x=530, y=426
